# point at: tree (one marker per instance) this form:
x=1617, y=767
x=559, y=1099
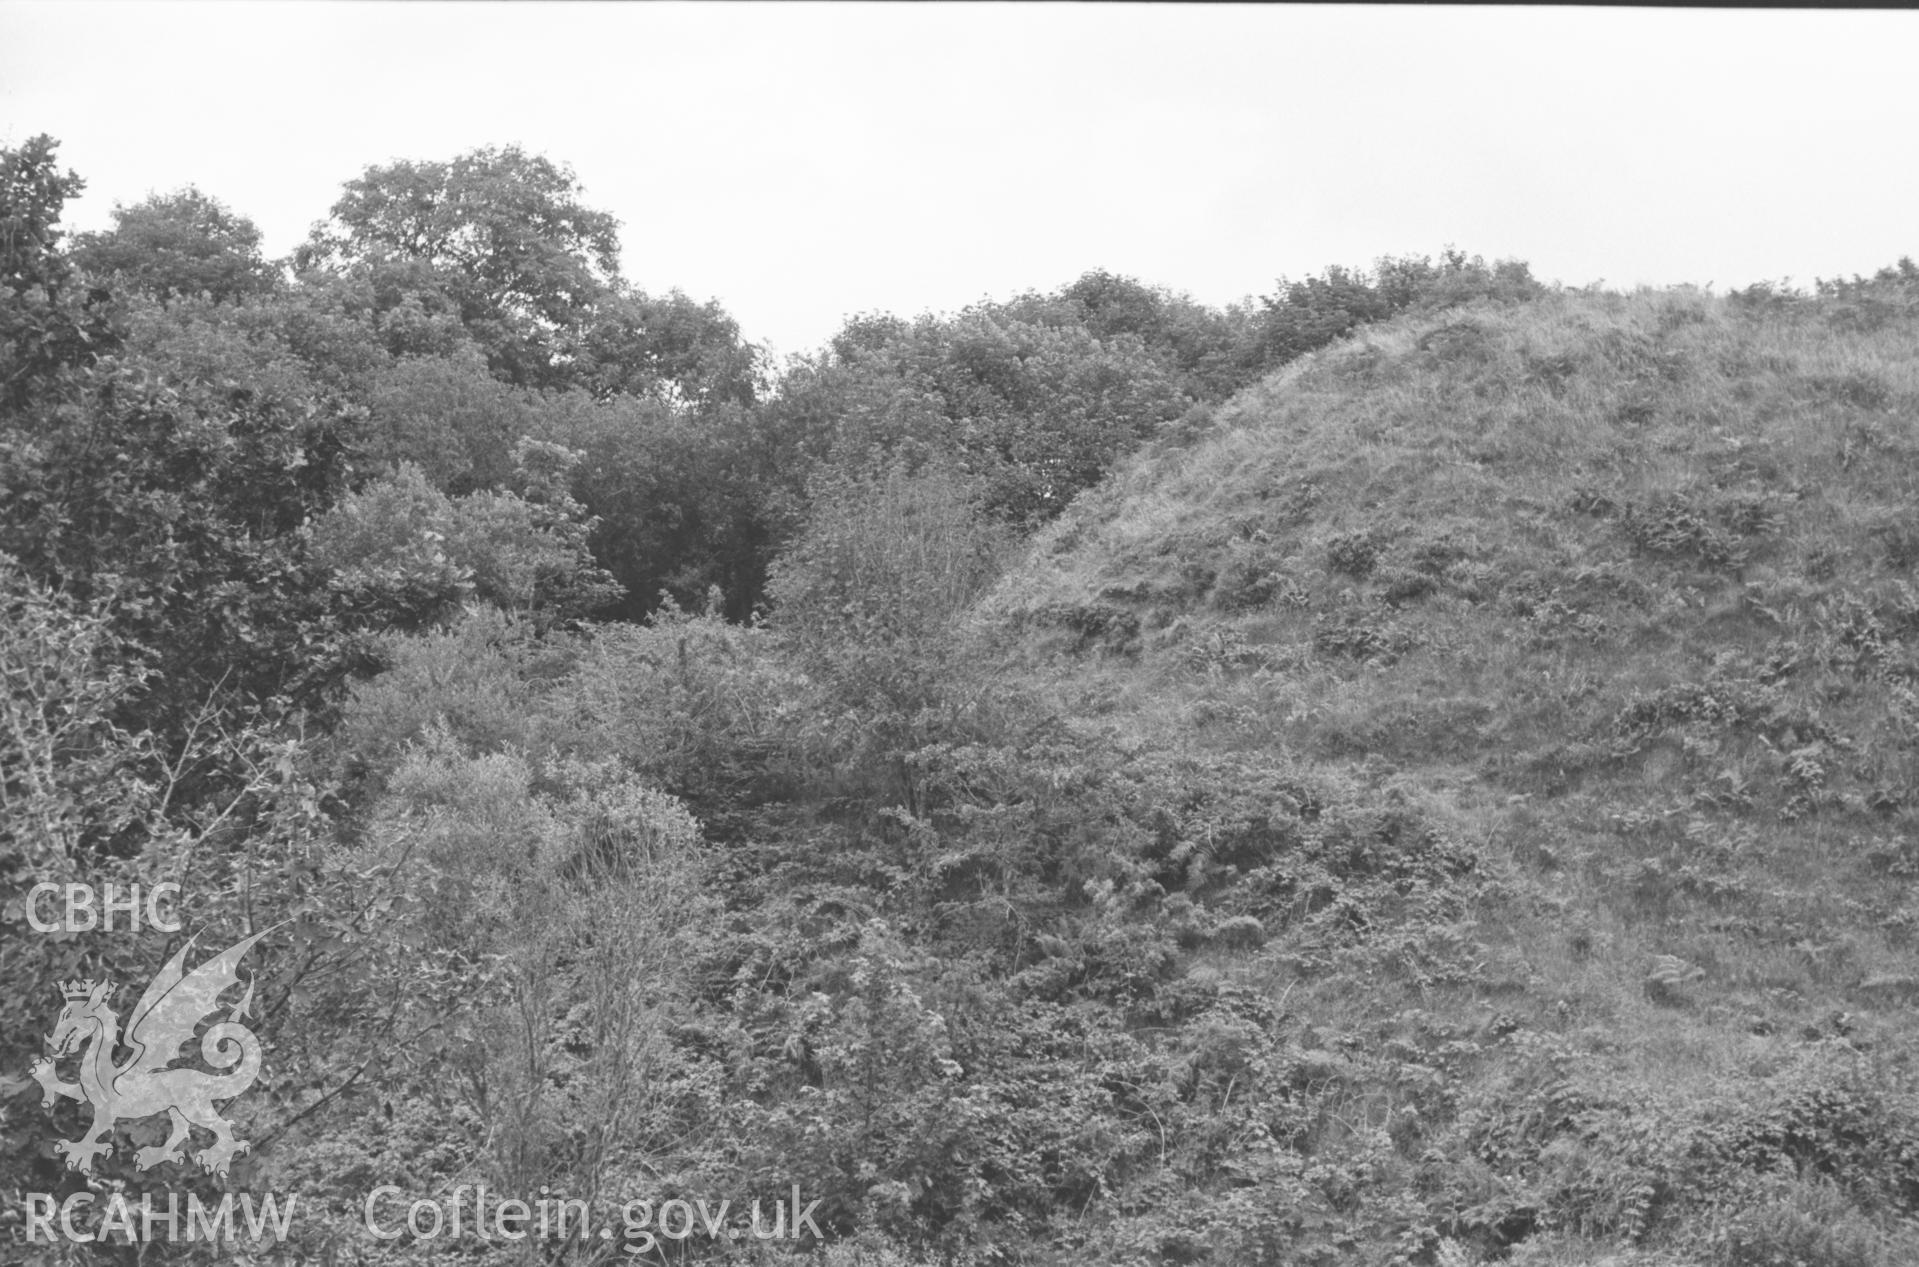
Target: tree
x=1025, y=399
x=1205, y=346
x=178, y=244
x=497, y=236
x=449, y=417
x=45, y=327
x=164, y=481
x=680, y=502
x=671, y=347
x=1111, y=304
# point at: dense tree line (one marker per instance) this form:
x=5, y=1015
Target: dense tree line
x=443, y=311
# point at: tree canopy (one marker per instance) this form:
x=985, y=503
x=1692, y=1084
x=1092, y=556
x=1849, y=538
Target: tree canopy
x=497, y=236
x=175, y=245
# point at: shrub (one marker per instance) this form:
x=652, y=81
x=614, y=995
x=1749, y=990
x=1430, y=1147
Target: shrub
x=1304, y=316
x=701, y=707
x=410, y=553
x=569, y=888
x=870, y=592
x=1353, y=554
x=478, y=680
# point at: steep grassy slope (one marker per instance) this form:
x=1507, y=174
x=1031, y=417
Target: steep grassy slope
x=1618, y=590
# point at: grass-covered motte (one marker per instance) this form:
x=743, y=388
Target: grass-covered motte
x=1616, y=592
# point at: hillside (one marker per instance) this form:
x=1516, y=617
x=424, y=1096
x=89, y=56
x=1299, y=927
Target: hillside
x=1614, y=595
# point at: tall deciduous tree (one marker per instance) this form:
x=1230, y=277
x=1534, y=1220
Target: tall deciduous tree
x=497, y=236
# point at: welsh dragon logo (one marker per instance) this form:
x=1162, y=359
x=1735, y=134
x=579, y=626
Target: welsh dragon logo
x=174, y=1004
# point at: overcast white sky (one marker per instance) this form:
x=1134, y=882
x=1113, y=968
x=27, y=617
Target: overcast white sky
x=801, y=162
